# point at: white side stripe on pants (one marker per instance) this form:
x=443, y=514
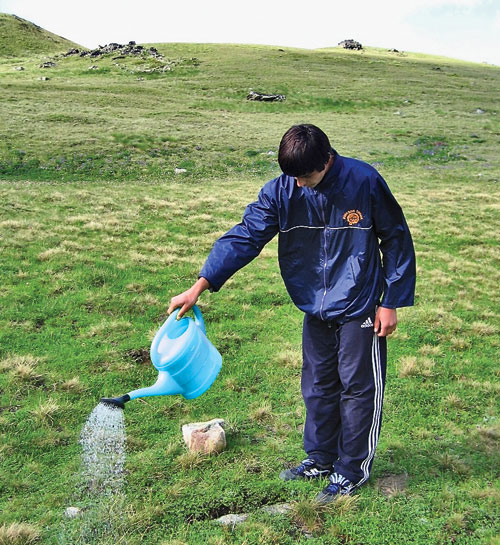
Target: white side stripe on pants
x=377, y=410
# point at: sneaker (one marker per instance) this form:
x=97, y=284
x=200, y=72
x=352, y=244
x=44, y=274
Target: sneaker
x=339, y=486
x=307, y=469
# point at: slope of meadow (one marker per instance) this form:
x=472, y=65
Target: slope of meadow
x=98, y=231
x=21, y=37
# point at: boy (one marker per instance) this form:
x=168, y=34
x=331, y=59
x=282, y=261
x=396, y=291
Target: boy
x=335, y=216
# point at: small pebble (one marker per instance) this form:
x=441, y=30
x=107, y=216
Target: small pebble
x=72, y=512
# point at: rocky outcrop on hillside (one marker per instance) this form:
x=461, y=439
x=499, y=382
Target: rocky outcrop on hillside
x=265, y=97
x=351, y=44
x=119, y=49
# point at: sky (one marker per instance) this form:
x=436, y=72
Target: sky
x=462, y=29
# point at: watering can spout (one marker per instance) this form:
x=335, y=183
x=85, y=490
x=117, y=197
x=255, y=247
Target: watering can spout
x=165, y=385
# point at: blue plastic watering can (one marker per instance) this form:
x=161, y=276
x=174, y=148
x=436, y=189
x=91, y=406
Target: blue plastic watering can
x=187, y=362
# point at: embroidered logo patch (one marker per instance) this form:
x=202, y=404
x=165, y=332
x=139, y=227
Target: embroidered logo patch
x=352, y=217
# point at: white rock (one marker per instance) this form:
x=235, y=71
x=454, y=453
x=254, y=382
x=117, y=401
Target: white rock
x=205, y=437
x=232, y=519
x=277, y=509
x=180, y=170
x=73, y=512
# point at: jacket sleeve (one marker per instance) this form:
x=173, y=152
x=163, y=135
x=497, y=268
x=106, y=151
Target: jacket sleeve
x=244, y=241
x=396, y=245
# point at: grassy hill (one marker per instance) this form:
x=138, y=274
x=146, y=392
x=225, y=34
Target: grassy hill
x=98, y=230
x=21, y=37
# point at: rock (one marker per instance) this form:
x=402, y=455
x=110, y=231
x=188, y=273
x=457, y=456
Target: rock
x=479, y=111
x=128, y=49
x=264, y=97
x=205, y=437
x=93, y=67
x=44, y=78
x=72, y=512
x=277, y=509
x=19, y=68
x=48, y=64
x=351, y=44
x=72, y=51
x=180, y=170
x=232, y=519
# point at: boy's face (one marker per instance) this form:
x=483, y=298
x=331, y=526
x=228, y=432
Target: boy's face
x=315, y=177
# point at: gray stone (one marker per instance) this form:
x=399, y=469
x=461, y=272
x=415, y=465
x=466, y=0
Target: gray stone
x=19, y=68
x=265, y=97
x=232, y=519
x=72, y=512
x=277, y=509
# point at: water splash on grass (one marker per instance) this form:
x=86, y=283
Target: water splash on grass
x=101, y=495
x=103, y=443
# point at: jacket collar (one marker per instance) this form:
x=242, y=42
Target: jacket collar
x=332, y=175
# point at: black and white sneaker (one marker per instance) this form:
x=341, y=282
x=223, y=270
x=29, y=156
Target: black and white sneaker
x=307, y=469
x=338, y=486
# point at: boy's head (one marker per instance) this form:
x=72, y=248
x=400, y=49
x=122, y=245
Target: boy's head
x=303, y=149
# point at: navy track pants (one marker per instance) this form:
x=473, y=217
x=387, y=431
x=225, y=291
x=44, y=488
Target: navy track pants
x=343, y=379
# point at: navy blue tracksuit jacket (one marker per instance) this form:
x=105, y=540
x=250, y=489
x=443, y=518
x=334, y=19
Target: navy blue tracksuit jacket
x=344, y=248
x=329, y=249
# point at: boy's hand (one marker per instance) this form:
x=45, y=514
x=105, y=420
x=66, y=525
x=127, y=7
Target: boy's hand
x=386, y=321
x=187, y=299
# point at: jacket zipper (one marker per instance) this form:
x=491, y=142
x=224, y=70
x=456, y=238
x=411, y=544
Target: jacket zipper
x=325, y=260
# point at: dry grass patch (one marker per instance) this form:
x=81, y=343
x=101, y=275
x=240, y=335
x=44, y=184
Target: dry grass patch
x=453, y=401
x=190, y=460
x=392, y=485
x=483, y=329
x=485, y=385
x=430, y=350
x=290, y=358
x=18, y=534
x=459, y=344
x=109, y=328
x=45, y=412
x=450, y=462
x=23, y=369
x=310, y=515
x=262, y=413
x=49, y=254
x=72, y=385
x=456, y=522
x=414, y=366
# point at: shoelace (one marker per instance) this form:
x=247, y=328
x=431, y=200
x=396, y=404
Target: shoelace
x=304, y=465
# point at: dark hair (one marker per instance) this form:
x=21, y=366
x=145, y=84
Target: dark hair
x=303, y=149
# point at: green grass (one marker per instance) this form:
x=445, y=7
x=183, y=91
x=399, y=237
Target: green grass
x=97, y=232
x=21, y=37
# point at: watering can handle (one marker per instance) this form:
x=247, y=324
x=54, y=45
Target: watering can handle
x=198, y=318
